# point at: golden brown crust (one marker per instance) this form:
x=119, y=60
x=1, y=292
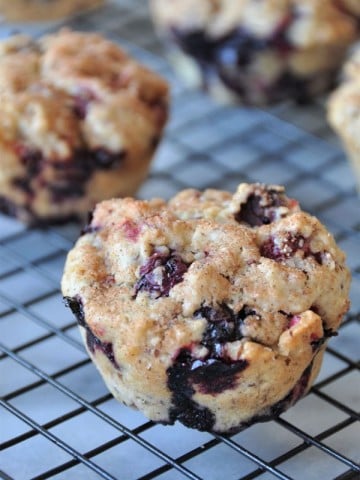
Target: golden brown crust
x=67, y=96
x=285, y=279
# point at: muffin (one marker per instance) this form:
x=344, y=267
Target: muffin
x=344, y=112
x=256, y=51
x=39, y=10
x=79, y=123
x=210, y=309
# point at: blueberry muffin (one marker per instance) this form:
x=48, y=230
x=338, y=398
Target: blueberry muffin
x=210, y=309
x=344, y=112
x=39, y=10
x=79, y=123
x=256, y=51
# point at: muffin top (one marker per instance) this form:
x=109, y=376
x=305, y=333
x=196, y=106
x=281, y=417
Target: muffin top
x=254, y=248
x=305, y=23
x=71, y=89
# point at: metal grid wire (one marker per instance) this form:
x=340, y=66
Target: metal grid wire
x=57, y=420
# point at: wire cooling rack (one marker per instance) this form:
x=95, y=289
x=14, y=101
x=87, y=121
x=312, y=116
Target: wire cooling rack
x=57, y=419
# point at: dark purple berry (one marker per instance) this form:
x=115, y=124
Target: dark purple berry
x=184, y=408
x=81, y=103
x=196, y=44
x=23, y=184
x=212, y=374
x=280, y=249
x=215, y=376
x=105, y=159
x=76, y=306
x=93, y=342
x=32, y=159
x=170, y=270
x=223, y=326
x=261, y=207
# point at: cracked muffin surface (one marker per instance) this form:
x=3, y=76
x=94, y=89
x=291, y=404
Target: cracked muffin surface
x=257, y=51
x=79, y=123
x=212, y=309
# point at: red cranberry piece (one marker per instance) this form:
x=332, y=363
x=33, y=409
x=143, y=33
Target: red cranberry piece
x=293, y=320
x=170, y=271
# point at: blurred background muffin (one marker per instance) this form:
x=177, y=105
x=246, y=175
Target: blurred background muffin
x=39, y=10
x=257, y=51
x=344, y=112
x=79, y=122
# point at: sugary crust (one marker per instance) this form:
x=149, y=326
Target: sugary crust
x=66, y=96
x=287, y=278
x=38, y=10
x=314, y=22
